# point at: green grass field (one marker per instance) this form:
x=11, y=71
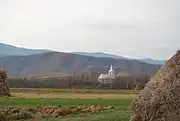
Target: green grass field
x=64, y=102
x=121, y=100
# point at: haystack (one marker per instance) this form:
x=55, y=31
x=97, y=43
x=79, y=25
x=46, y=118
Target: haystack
x=3, y=118
x=4, y=89
x=160, y=99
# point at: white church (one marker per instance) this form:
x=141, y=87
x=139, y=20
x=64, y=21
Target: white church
x=107, y=78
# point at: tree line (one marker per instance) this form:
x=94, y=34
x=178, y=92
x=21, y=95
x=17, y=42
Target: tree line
x=82, y=80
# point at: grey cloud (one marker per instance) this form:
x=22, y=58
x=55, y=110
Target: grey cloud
x=107, y=26
x=143, y=28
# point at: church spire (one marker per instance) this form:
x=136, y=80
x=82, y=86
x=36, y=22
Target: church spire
x=111, y=68
x=111, y=71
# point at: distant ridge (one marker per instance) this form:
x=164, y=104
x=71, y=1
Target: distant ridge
x=55, y=62
x=105, y=55
x=10, y=50
x=100, y=55
x=151, y=61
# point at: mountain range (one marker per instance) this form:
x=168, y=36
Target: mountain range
x=9, y=50
x=104, y=55
x=100, y=55
x=24, y=62
x=54, y=62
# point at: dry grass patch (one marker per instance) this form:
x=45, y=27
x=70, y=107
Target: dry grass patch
x=19, y=113
x=60, y=90
x=68, y=95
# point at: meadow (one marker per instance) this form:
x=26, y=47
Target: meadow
x=120, y=99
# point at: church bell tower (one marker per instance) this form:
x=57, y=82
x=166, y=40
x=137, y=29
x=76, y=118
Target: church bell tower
x=111, y=71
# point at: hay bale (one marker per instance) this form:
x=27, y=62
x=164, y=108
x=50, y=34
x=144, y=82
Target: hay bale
x=4, y=89
x=160, y=99
x=3, y=117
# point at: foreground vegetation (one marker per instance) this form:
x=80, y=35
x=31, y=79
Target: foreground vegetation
x=119, y=99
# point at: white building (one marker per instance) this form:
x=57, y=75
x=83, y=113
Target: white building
x=107, y=78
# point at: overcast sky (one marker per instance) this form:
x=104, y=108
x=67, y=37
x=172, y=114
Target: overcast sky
x=137, y=28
